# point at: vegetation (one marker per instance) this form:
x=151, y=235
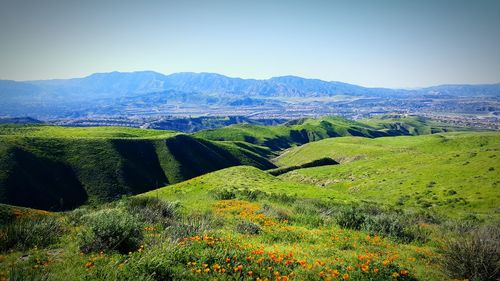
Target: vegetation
x=452, y=173
x=315, y=163
x=58, y=173
x=474, y=255
x=351, y=208
x=307, y=130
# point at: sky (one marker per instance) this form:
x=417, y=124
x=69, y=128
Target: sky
x=398, y=43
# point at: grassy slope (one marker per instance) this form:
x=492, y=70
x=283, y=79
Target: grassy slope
x=78, y=164
x=407, y=125
x=198, y=192
x=300, y=235
x=308, y=130
x=456, y=173
x=283, y=136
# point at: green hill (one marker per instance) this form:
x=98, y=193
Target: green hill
x=245, y=181
x=55, y=168
x=307, y=130
x=451, y=172
x=396, y=124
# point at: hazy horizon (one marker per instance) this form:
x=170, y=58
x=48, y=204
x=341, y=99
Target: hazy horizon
x=248, y=78
x=390, y=44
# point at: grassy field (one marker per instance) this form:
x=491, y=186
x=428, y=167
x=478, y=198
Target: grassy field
x=454, y=173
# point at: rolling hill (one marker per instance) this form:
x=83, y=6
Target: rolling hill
x=351, y=208
x=454, y=173
x=56, y=168
x=450, y=173
x=298, y=132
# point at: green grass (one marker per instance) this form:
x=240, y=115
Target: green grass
x=81, y=132
x=200, y=192
x=408, y=125
x=307, y=130
x=453, y=173
x=307, y=224
x=294, y=133
x=81, y=165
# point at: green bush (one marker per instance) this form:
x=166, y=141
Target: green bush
x=111, y=229
x=152, y=210
x=248, y=227
x=27, y=232
x=191, y=225
x=475, y=255
x=350, y=217
x=392, y=223
x=224, y=194
x=275, y=212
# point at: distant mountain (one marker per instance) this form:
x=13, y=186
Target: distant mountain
x=127, y=83
x=114, y=92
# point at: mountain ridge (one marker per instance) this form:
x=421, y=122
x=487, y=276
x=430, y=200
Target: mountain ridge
x=216, y=81
x=145, y=93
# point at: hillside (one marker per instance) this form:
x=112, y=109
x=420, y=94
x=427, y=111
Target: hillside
x=455, y=173
x=451, y=173
x=57, y=168
x=242, y=223
x=306, y=130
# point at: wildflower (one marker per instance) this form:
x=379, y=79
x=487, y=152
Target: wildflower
x=206, y=270
x=395, y=275
x=376, y=270
x=198, y=271
x=250, y=273
x=404, y=272
x=365, y=268
x=335, y=273
x=345, y=276
x=349, y=268
x=321, y=274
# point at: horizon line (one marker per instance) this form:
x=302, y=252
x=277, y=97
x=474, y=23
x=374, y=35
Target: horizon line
x=256, y=79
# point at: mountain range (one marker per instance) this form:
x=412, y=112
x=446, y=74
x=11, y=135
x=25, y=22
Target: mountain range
x=187, y=88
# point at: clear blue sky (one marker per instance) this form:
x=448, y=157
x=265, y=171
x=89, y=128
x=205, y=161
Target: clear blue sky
x=400, y=43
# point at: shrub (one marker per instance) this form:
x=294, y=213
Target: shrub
x=224, y=194
x=20, y=273
x=152, y=210
x=194, y=224
x=350, y=217
x=278, y=213
x=248, y=227
x=475, y=255
x=111, y=229
x=27, y=232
